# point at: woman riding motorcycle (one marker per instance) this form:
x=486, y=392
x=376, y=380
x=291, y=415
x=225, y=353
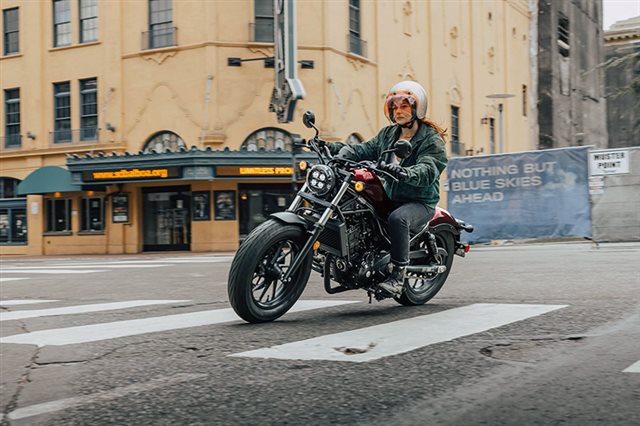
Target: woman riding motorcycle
x=417, y=191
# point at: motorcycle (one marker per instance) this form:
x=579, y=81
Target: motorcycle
x=336, y=226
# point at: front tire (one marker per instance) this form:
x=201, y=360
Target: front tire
x=256, y=290
x=419, y=291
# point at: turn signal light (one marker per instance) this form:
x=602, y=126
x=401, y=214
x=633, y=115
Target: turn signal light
x=316, y=245
x=359, y=186
x=303, y=165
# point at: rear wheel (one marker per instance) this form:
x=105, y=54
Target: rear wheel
x=256, y=290
x=418, y=291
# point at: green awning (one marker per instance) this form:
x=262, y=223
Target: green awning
x=48, y=179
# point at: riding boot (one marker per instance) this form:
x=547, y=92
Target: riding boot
x=394, y=283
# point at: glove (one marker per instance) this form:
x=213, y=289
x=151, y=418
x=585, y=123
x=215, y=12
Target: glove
x=346, y=153
x=396, y=171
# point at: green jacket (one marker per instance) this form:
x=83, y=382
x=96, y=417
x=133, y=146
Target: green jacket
x=424, y=166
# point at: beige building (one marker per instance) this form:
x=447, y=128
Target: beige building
x=131, y=86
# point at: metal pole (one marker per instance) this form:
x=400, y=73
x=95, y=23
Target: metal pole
x=501, y=129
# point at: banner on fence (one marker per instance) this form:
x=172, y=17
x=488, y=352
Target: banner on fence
x=538, y=194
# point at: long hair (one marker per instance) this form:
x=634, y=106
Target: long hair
x=437, y=127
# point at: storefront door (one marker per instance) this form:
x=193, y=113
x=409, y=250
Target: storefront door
x=258, y=201
x=166, y=217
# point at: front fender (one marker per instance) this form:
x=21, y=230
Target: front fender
x=290, y=218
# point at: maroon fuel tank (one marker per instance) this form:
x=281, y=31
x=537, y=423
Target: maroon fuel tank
x=373, y=191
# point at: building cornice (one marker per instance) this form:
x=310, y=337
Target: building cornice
x=250, y=45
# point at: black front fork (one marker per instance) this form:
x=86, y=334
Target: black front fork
x=315, y=232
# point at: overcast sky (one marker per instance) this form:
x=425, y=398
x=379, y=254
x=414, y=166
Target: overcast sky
x=617, y=10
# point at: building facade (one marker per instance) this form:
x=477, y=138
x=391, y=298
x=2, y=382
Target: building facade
x=571, y=103
x=130, y=127
x=622, y=82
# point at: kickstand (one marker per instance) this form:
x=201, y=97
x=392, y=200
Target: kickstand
x=370, y=295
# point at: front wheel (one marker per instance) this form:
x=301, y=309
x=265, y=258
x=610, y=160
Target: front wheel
x=256, y=290
x=418, y=291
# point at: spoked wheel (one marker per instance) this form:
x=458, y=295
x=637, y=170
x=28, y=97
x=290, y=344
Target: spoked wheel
x=418, y=291
x=256, y=290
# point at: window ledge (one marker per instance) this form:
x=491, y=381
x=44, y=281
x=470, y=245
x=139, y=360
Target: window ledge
x=56, y=233
x=75, y=46
x=12, y=55
x=90, y=232
x=13, y=244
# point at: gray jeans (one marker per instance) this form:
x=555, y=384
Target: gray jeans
x=406, y=218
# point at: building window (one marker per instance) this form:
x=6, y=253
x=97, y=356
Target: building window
x=356, y=44
x=12, y=118
x=9, y=188
x=88, y=109
x=264, y=21
x=563, y=35
x=88, y=20
x=455, y=128
x=62, y=105
x=58, y=213
x=269, y=139
x=13, y=226
x=492, y=135
x=161, y=30
x=11, y=31
x=92, y=214
x=61, y=23
x=164, y=142
x=524, y=100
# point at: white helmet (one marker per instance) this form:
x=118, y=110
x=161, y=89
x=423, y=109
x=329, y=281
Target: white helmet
x=411, y=91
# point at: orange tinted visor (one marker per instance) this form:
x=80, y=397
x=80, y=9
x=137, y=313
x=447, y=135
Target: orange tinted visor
x=400, y=101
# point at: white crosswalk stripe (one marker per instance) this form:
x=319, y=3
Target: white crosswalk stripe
x=8, y=279
x=633, y=368
x=92, y=266
x=372, y=343
x=83, y=309
x=51, y=271
x=112, y=330
x=15, y=302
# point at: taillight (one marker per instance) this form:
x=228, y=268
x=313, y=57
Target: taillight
x=467, y=248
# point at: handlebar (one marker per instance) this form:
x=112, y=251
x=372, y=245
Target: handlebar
x=367, y=165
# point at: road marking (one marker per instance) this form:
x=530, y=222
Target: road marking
x=102, y=265
x=24, y=302
x=112, y=330
x=82, y=309
x=51, y=271
x=379, y=341
x=3, y=279
x=76, y=401
x=633, y=368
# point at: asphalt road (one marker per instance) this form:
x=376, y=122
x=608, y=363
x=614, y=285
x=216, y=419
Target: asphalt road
x=527, y=334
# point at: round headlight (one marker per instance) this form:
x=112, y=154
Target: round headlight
x=320, y=179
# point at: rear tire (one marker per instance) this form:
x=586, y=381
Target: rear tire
x=256, y=291
x=420, y=291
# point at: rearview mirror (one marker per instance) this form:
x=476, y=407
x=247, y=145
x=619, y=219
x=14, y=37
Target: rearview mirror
x=402, y=148
x=309, y=119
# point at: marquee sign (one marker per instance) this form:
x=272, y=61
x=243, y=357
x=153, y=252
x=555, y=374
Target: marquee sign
x=159, y=173
x=235, y=171
x=288, y=88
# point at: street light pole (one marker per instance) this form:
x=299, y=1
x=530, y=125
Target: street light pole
x=501, y=125
x=500, y=119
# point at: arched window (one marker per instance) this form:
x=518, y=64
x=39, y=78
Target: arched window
x=164, y=141
x=268, y=138
x=353, y=139
x=9, y=187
